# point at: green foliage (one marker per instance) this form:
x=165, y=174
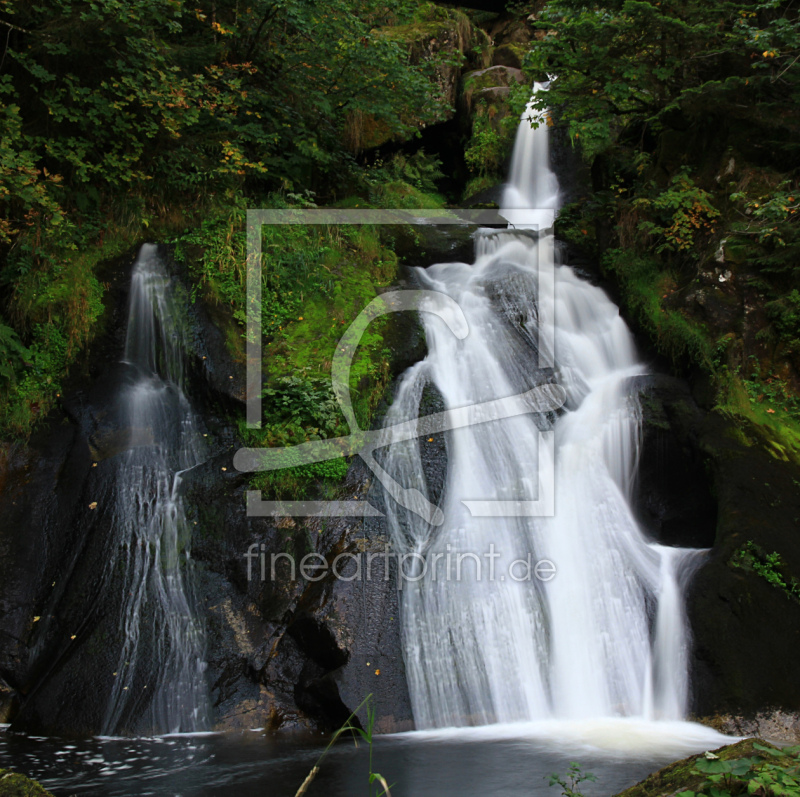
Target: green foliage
x=770, y=237
x=774, y=774
x=775, y=213
x=12, y=354
x=215, y=251
x=33, y=393
x=645, y=286
x=487, y=147
x=113, y=93
x=784, y=314
x=571, y=780
x=315, y=281
x=118, y=117
x=753, y=558
x=683, y=210
x=771, y=392
x=667, y=101
x=420, y=170
x=306, y=402
x=638, y=61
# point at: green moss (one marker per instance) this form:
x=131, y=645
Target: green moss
x=766, y=405
x=13, y=784
x=644, y=287
x=768, y=423
x=769, y=566
x=431, y=21
x=400, y=194
x=510, y=54
x=480, y=183
x=299, y=404
x=486, y=79
x=682, y=775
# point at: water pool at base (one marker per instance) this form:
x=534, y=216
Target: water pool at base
x=493, y=760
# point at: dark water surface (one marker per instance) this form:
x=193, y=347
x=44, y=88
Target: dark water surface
x=442, y=764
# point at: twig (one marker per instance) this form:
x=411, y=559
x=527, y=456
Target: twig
x=778, y=77
x=15, y=27
x=346, y=727
x=307, y=782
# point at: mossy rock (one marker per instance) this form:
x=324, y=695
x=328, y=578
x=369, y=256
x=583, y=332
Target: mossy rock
x=511, y=29
x=680, y=776
x=12, y=784
x=490, y=78
x=437, y=30
x=510, y=55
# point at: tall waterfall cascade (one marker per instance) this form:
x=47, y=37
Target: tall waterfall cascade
x=602, y=633
x=161, y=661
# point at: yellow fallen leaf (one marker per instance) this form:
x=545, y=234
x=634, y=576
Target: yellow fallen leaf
x=377, y=672
x=93, y=505
x=36, y=619
x=73, y=636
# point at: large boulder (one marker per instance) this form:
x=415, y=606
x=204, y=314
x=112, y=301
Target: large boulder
x=708, y=480
x=445, y=36
x=286, y=650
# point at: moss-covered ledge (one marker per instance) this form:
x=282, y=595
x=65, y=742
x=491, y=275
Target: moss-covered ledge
x=12, y=784
x=683, y=776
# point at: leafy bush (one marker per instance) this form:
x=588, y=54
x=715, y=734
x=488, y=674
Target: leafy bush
x=784, y=313
x=569, y=783
x=306, y=402
x=12, y=354
x=487, y=148
x=775, y=774
x=684, y=210
x=767, y=565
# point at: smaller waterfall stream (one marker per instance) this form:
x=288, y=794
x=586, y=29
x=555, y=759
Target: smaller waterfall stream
x=161, y=664
x=606, y=637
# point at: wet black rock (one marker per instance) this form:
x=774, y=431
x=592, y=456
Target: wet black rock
x=707, y=480
x=673, y=499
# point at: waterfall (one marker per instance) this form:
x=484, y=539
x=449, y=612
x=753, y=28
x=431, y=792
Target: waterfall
x=604, y=636
x=531, y=182
x=161, y=662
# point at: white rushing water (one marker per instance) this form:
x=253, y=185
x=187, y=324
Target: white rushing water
x=160, y=670
x=606, y=636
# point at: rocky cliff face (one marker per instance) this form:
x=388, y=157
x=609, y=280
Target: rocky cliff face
x=707, y=482
x=282, y=651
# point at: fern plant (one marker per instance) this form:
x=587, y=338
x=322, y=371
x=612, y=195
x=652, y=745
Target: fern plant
x=12, y=354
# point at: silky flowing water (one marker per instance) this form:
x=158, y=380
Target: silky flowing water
x=603, y=633
x=162, y=649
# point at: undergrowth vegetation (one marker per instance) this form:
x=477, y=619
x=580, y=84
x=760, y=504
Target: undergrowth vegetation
x=315, y=281
x=684, y=111
x=770, y=566
x=153, y=120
